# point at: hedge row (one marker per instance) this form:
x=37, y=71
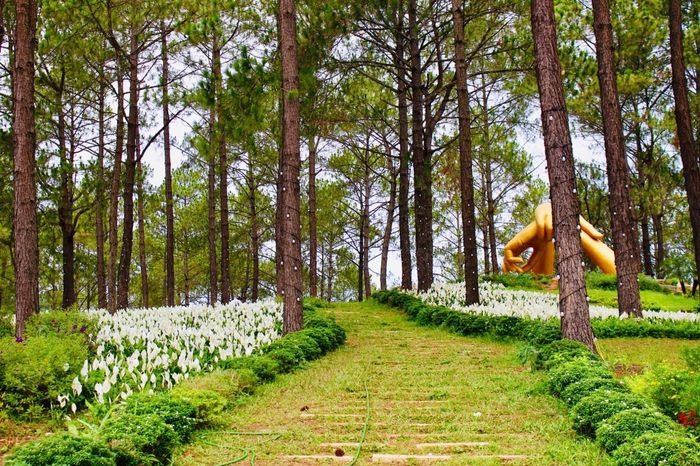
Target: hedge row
x=535, y=331
x=621, y=422
x=147, y=428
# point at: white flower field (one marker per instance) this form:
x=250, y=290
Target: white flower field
x=495, y=299
x=139, y=349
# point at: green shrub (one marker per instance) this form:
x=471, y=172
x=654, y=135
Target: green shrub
x=35, y=372
x=691, y=356
x=311, y=320
x=316, y=303
x=7, y=329
x=306, y=344
x=665, y=388
x=600, y=405
x=658, y=448
x=324, y=338
x=62, y=324
x=139, y=439
x=575, y=370
x=264, y=367
x=62, y=450
x=581, y=389
x=630, y=424
x=601, y=281
x=178, y=414
x=208, y=404
x=561, y=351
x=647, y=283
x=286, y=358
x=525, y=281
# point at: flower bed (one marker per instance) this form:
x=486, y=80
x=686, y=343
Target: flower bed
x=148, y=427
x=139, y=349
x=495, y=299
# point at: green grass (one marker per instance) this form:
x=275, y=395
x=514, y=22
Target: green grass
x=651, y=300
x=425, y=386
x=631, y=355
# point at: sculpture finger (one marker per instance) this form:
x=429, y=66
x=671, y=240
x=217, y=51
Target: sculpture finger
x=590, y=229
x=543, y=220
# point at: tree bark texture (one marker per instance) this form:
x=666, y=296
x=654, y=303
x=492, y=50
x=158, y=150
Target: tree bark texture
x=313, y=235
x=466, y=171
x=389, y=225
x=290, y=167
x=573, y=304
x=421, y=167
x=143, y=264
x=26, y=231
x=114, y=198
x=689, y=156
x=625, y=241
x=169, y=204
x=404, y=154
x=223, y=173
x=99, y=196
x=124, y=277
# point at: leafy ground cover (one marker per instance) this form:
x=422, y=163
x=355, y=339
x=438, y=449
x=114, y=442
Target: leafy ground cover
x=406, y=393
x=149, y=426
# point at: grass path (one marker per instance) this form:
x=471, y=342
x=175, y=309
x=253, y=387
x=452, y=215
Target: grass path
x=434, y=398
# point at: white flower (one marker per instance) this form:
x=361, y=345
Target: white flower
x=77, y=386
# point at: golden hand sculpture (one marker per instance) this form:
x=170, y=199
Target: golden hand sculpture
x=538, y=236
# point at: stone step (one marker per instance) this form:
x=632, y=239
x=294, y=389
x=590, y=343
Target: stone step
x=451, y=445
x=401, y=459
x=317, y=458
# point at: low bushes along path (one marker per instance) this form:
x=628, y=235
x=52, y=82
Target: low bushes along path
x=434, y=398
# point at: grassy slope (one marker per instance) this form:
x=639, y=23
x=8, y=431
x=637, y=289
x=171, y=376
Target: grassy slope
x=652, y=300
x=644, y=352
x=425, y=386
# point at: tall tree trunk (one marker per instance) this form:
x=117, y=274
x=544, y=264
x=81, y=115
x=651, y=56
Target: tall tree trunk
x=293, y=318
x=421, y=168
x=65, y=209
x=211, y=204
x=329, y=275
x=169, y=204
x=130, y=174
x=491, y=221
x=361, y=260
x=658, y=222
x=223, y=172
x=487, y=256
x=313, y=239
x=573, y=306
x=24, y=181
x=99, y=195
x=466, y=173
x=404, y=154
x=689, y=156
x=254, y=231
x=143, y=265
x=620, y=203
x=186, y=275
x=365, y=228
x=114, y=197
x=490, y=208
x=211, y=208
x=389, y=226
x=646, y=242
